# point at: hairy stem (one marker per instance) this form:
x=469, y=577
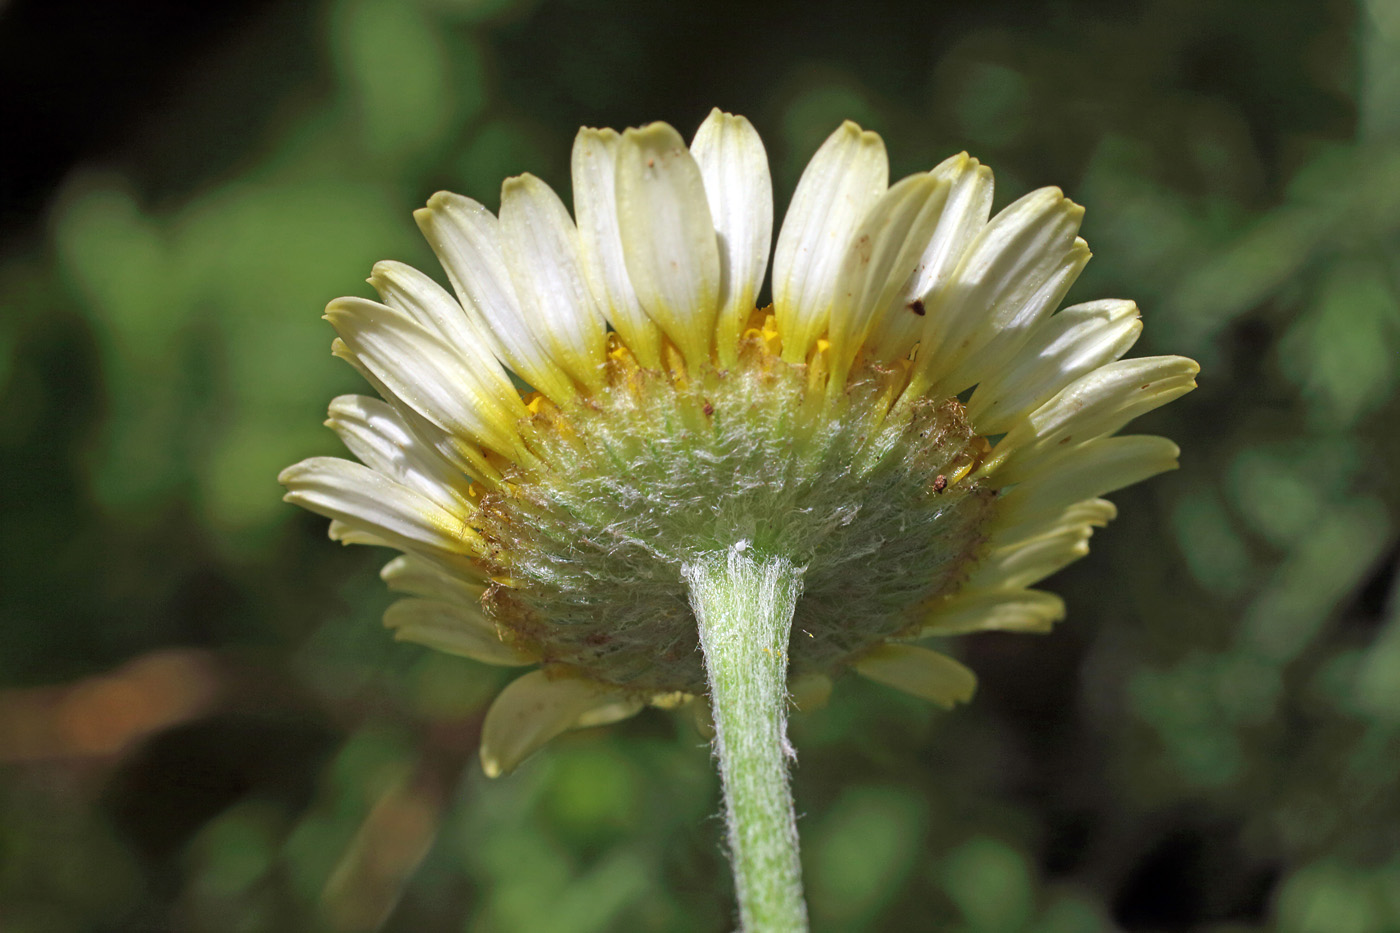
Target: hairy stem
x=744, y=603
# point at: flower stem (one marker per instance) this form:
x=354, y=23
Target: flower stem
x=744, y=604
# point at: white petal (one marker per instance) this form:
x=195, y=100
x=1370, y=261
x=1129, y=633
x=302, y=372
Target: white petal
x=455, y=449
x=447, y=566
x=1063, y=348
x=424, y=372
x=1013, y=274
x=668, y=237
x=409, y=574
x=348, y=534
x=965, y=213
x=924, y=673
x=455, y=628
x=406, y=289
x=1016, y=329
x=381, y=440
x=882, y=259
x=594, y=166
x=998, y=610
x=1096, y=404
x=1067, y=519
x=371, y=502
x=533, y=709
x=466, y=238
x=734, y=166
x=841, y=183
x=1015, y=567
x=541, y=249
x=1094, y=469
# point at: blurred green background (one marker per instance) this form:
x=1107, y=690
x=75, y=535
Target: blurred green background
x=203, y=725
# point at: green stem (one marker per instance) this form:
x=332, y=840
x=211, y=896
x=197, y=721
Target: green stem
x=744, y=603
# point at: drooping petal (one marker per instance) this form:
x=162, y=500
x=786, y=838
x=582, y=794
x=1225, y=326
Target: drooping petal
x=924, y=673
x=348, y=534
x=594, y=166
x=997, y=610
x=371, y=502
x=466, y=238
x=1012, y=275
x=839, y=186
x=1096, y=404
x=410, y=574
x=541, y=249
x=965, y=213
x=534, y=708
x=424, y=372
x=668, y=237
x=881, y=260
x=1068, y=345
x=739, y=189
x=460, y=629
x=1094, y=469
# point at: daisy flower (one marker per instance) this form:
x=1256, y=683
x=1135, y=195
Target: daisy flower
x=699, y=497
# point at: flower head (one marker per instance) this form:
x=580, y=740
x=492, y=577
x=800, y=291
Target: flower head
x=910, y=420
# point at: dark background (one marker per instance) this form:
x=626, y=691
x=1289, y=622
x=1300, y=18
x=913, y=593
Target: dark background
x=202, y=724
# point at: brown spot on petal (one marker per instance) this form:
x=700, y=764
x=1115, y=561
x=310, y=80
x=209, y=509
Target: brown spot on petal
x=917, y=306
